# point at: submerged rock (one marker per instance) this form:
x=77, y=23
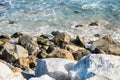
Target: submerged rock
x=56, y=68
x=97, y=67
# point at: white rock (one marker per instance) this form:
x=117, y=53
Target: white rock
x=43, y=77
x=54, y=67
x=7, y=74
x=97, y=67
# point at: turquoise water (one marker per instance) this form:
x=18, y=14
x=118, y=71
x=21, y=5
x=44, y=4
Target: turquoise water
x=37, y=16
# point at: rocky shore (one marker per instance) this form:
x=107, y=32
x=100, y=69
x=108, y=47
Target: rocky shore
x=58, y=57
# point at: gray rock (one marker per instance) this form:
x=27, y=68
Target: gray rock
x=97, y=67
x=54, y=67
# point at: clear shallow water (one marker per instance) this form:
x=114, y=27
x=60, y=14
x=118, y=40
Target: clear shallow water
x=44, y=16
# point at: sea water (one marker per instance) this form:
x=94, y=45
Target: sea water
x=43, y=16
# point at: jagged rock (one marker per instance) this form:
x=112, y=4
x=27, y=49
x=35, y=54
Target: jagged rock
x=42, y=54
x=107, y=45
x=12, y=52
x=61, y=53
x=4, y=38
x=16, y=35
x=73, y=48
x=55, y=33
x=97, y=67
x=29, y=43
x=62, y=38
x=44, y=41
x=22, y=62
x=7, y=74
x=80, y=53
x=93, y=24
x=54, y=67
x=43, y=77
x=80, y=41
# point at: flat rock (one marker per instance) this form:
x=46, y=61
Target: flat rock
x=54, y=67
x=97, y=67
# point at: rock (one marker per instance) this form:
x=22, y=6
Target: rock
x=16, y=35
x=107, y=45
x=42, y=54
x=4, y=38
x=55, y=33
x=56, y=68
x=1, y=42
x=12, y=52
x=16, y=69
x=7, y=74
x=93, y=66
x=43, y=77
x=61, y=53
x=80, y=41
x=80, y=53
x=93, y=24
x=73, y=48
x=62, y=38
x=29, y=43
x=22, y=62
x=79, y=25
x=33, y=62
x=43, y=41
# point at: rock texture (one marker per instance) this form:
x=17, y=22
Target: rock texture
x=97, y=67
x=43, y=77
x=7, y=74
x=61, y=53
x=54, y=67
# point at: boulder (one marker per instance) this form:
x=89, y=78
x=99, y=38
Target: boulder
x=29, y=43
x=73, y=48
x=44, y=41
x=80, y=41
x=61, y=53
x=16, y=35
x=7, y=74
x=62, y=38
x=56, y=68
x=80, y=53
x=12, y=52
x=22, y=62
x=97, y=67
x=43, y=77
x=107, y=45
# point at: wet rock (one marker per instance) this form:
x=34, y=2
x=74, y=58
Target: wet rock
x=16, y=35
x=80, y=41
x=93, y=24
x=79, y=25
x=61, y=53
x=11, y=22
x=29, y=43
x=55, y=33
x=97, y=67
x=12, y=52
x=107, y=45
x=62, y=38
x=97, y=35
x=54, y=67
x=4, y=38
